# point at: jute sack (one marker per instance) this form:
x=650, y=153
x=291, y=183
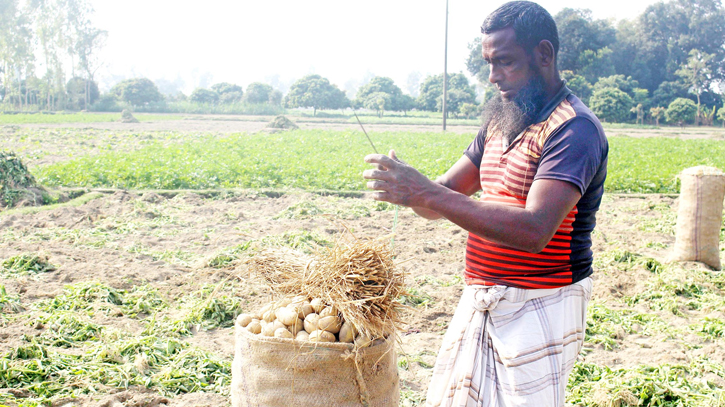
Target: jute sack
x=699, y=216
x=275, y=372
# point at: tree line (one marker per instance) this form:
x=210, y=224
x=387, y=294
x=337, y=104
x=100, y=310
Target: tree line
x=67, y=44
x=663, y=65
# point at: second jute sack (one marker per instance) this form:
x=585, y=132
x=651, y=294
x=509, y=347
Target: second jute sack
x=276, y=372
x=699, y=216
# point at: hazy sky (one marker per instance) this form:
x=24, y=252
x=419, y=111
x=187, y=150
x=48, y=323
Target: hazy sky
x=278, y=41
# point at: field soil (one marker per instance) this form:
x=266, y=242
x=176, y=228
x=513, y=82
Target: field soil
x=169, y=241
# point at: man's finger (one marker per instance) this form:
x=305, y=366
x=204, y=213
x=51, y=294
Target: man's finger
x=381, y=159
x=377, y=174
x=378, y=185
x=381, y=196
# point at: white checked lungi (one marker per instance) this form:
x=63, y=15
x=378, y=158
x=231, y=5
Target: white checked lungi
x=509, y=347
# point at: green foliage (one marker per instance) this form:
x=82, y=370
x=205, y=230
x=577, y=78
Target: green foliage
x=137, y=92
x=579, y=85
x=8, y=303
x=382, y=94
x=258, y=93
x=636, y=165
x=605, y=325
x=14, y=179
x=316, y=92
x=25, y=264
x=721, y=115
x=76, y=90
x=228, y=93
x=83, y=296
x=611, y=104
x=667, y=92
x=204, y=96
x=431, y=92
x=475, y=64
x=625, y=84
x=664, y=385
x=470, y=110
x=212, y=309
x=596, y=64
x=65, y=329
x=681, y=111
x=579, y=32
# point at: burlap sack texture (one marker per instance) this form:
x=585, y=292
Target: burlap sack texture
x=274, y=372
x=699, y=216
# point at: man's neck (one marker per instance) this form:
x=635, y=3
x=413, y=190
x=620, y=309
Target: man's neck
x=552, y=88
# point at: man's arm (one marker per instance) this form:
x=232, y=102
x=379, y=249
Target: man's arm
x=462, y=177
x=529, y=229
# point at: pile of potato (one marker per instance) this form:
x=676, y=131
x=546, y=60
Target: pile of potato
x=302, y=319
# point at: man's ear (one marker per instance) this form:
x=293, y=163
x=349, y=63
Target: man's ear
x=545, y=53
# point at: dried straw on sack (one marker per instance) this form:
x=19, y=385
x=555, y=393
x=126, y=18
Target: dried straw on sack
x=359, y=280
x=699, y=216
x=273, y=372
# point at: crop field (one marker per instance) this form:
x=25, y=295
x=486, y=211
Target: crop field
x=127, y=294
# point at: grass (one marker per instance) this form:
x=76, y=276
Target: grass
x=318, y=159
x=25, y=264
x=45, y=118
x=664, y=385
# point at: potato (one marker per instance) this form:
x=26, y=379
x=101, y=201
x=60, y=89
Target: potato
x=347, y=333
x=283, y=333
x=278, y=324
x=260, y=313
x=284, y=302
x=362, y=340
x=297, y=326
x=269, y=315
x=322, y=336
x=317, y=305
x=302, y=336
x=243, y=320
x=304, y=310
x=330, y=324
x=254, y=327
x=268, y=329
x=311, y=323
x=299, y=299
x=286, y=316
x=328, y=312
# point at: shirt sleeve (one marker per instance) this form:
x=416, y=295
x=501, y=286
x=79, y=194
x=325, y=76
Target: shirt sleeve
x=573, y=154
x=474, y=152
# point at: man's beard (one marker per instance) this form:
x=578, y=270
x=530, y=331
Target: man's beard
x=512, y=117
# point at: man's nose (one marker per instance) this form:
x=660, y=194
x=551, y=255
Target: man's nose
x=495, y=76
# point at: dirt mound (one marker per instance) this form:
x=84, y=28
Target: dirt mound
x=282, y=123
x=17, y=185
x=127, y=117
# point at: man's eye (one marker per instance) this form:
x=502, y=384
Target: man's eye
x=506, y=63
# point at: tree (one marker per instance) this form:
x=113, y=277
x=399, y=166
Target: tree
x=456, y=97
x=721, y=115
x=667, y=92
x=89, y=42
x=81, y=93
x=379, y=84
x=681, y=111
x=205, y=96
x=431, y=91
x=378, y=101
x=697, y=74
x=596, y=64
x=469, y=110
x=258, y=93
x=579, y=85
x=316, y=92
x=137, y=91
x=578, y=33
x=611, y=104
x=657, y=113
x=625, y=84
x=475, y=64
x=227, y=93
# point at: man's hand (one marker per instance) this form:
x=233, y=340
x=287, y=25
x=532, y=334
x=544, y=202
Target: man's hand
x=397, y=182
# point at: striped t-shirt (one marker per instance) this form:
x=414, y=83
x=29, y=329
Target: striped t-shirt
x=567, y=144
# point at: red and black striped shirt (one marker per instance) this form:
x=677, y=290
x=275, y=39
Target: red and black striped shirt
x=569, y=145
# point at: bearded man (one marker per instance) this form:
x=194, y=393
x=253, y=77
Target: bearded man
x=540, y=162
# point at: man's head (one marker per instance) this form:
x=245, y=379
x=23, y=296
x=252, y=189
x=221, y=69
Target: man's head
x=520, y=43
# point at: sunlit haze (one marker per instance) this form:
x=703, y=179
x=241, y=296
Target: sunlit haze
x=191, y=44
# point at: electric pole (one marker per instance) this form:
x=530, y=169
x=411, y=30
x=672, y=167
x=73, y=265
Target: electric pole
x=445, y=72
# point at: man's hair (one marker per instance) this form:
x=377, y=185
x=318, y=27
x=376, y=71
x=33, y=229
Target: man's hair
x=531, y=23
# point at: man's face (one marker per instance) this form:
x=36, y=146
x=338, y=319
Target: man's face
x=510, y=64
